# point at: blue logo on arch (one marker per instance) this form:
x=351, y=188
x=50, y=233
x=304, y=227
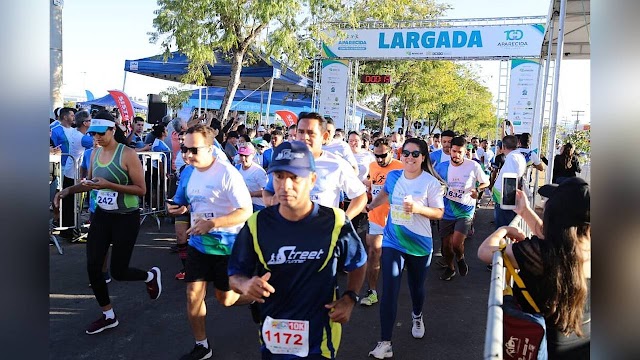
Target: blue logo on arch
x=512, y=35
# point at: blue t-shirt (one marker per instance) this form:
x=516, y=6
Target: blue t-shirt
x=303, y=268
x=60, y=139
x=266, y=158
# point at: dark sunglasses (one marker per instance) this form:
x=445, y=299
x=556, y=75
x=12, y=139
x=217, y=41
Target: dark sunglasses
x=414, y=153
x=381, y=156
x=93, y=133
x=193, y=150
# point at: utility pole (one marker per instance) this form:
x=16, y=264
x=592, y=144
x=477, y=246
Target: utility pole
x=55, y=54
x=577, y=113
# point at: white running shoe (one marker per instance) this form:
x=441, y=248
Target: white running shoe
x=382, y=351
x=417, y=330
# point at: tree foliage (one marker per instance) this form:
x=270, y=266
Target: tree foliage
x=176, y=97
x=581, y=141
x=199, y=28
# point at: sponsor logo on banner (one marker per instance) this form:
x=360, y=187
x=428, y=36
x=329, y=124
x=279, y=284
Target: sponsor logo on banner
x=124, y=104
x=522, y=90
x=288, y=117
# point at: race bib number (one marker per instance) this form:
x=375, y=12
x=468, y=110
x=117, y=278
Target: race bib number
x=201, y=215
x=375, y=190
x=107, y=199
x=282, y=336
x=455, y=194
x=399, y=216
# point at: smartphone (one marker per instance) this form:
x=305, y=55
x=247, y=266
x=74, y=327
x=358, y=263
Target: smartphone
x=509, y=187
x=170, y=202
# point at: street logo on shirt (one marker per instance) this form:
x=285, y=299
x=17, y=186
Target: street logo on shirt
x=289, y=255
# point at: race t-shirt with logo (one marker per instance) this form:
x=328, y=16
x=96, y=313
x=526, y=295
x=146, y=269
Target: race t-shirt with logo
x=438, y=157
x=303, y=266
x=256, y=179
x=458, y=203
x=214, y=192
x=378, y=176
x=514, y=162
x=488, y=157
x=364, y=158
x=406, y=232
x=530, y=156
x=75, y=150
x=334, y=175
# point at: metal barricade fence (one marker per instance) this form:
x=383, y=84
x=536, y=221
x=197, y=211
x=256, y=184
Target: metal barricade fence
x=55, y=160
x=494, y=341
x=156, y=178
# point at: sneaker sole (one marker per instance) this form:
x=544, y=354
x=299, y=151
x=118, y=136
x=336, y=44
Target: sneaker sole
x=104, y=328
x=385, y=356
x=449, y=278
x=159, y=275
x=368, y=304
x=417, y=337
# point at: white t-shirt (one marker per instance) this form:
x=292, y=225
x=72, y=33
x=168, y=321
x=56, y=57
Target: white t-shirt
x=75, y=149
x=460, y=181
x=488, y=156
x=530, y=156
x=256, y=179
x=334, y=175
x=514, y=162
x=343, y=150
x=364, y=159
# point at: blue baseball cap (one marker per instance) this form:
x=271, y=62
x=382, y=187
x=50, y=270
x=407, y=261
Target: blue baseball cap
x=293, y=157
x=87, y=141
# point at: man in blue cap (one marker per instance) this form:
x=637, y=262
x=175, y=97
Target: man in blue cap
x=301, y=309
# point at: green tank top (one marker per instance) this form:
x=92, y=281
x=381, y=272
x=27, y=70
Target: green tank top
x=109, y=200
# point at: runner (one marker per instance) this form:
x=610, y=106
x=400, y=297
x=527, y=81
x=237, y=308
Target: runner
x=253, y=174
x=116, y=173
x=514, y=162
x=415, y=196
x=219, y=203
x=461, y=175
x=442, y=155
x=296, y=283
x=378, y=172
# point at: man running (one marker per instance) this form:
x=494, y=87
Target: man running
x=219, y=203
x=378, y=171
x=461, y=175
x=443, y=154
x=301, y=308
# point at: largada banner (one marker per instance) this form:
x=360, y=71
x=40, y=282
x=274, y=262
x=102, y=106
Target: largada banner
x=522, y=94
x=438, y=43
x=334, y=87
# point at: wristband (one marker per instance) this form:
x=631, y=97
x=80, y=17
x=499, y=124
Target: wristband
x=352, y=294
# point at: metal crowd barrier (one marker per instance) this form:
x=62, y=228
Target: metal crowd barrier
x=152, y=203
x=56, y=161
x=494, y=341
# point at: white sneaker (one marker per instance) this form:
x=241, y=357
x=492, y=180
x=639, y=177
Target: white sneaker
x=382, y=351
x=417, y=330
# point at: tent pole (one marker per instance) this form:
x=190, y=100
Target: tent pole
x=124, y=82
x=261, y=109
x=199, y=100
x=556, y=76
x=206, y=97
x=269, y=98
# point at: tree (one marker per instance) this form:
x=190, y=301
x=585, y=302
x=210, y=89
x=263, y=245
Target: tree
x=176, y=97
x=198, y=28
x=581, y=141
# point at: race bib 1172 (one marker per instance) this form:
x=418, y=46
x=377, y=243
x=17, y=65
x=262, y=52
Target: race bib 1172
x=282, y=336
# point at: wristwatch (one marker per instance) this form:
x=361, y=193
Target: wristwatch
x=352, y=294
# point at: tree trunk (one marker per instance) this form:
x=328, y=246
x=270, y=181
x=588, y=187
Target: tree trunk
x=385, y=111
x=234, y=82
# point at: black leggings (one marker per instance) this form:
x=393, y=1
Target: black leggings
x=121, y=230
x=68, y=203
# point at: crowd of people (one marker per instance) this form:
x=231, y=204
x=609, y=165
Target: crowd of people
x=355, y=202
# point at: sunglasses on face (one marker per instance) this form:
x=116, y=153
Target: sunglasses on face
x=193, y=150
x=93, y=133
x=414, y=153
x=381, y=156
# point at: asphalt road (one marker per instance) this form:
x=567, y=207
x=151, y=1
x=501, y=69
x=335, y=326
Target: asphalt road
x=454, y=312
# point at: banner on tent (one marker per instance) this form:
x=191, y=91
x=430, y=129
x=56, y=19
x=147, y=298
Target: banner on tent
x=288, y=117
x=334, y=87
x=124, y=105
x=522, y=94
x=438, y=43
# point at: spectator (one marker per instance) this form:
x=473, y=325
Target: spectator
x=565, y=165
x=230, y=147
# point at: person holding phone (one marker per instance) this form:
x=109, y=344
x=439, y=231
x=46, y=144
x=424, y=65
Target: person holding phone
x=514, y=163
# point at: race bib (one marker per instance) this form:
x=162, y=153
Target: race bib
x=107, y=199
x=399, y=216
x=455, y=194
x=201, y=215
x=282, y=336
x=375, y=190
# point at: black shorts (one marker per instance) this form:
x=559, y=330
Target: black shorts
x=205, y=267
x=447, y=227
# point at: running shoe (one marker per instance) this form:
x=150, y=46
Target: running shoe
x=370, y=299
x=417, y=330
x=440, y=262
x=463, y=268
x=199, y=352
x=180, y=275
x=448, y=274
x=102, y=324
x=154, y=287
x=382, y=351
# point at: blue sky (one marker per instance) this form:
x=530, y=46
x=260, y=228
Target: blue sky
x=98, y=36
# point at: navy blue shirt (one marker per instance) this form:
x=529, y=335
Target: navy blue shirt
x=303, y=258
